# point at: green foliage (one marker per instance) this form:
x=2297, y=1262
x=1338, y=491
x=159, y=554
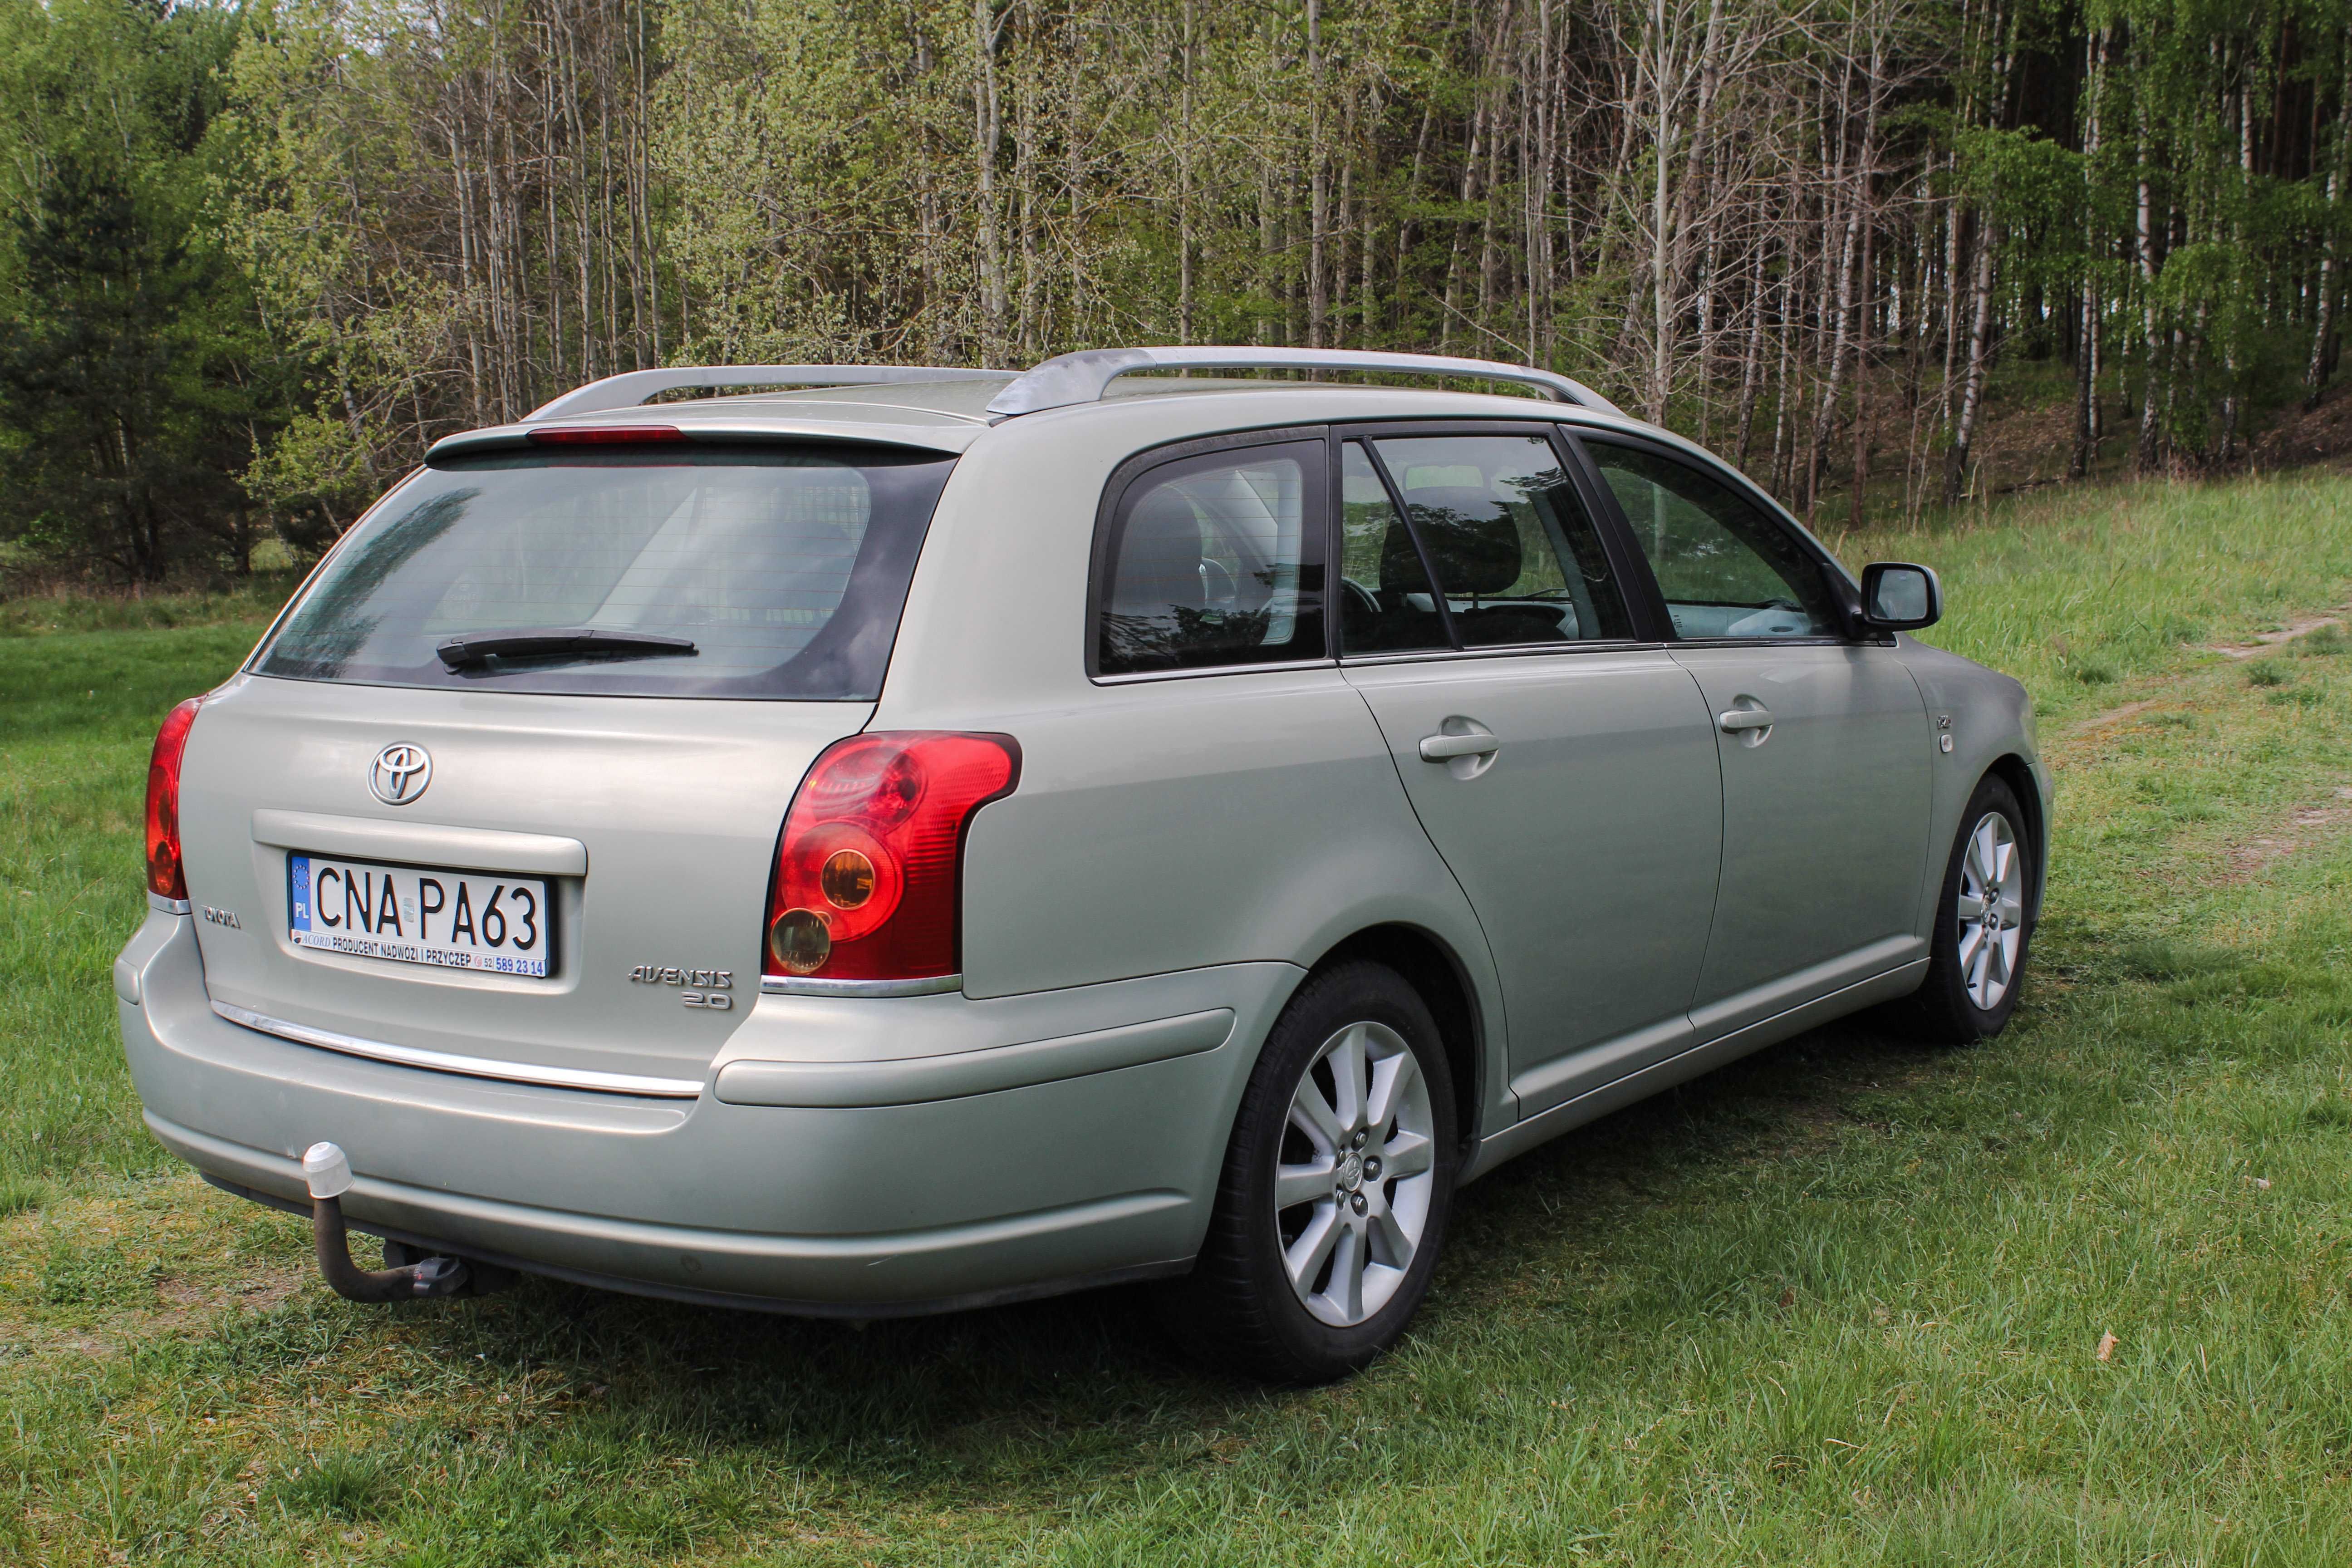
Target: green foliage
x=255, y=254
x=2035, y=189
x=132, y=389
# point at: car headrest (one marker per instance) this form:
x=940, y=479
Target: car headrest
x=1471, y=535
x=1158, y=558
x=1400, y=568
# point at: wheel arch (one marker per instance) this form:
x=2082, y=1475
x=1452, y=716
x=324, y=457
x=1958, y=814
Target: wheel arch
x=1431, y=967
x=2013, y=771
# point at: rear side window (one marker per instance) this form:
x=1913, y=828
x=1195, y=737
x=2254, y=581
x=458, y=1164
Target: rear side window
x=1215, y=559
x=785, y=568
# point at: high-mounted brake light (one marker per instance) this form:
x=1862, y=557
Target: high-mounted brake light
x=165, y=877
x=608, y=435
x=871, y=858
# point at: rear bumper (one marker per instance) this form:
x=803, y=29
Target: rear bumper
x=897, y=1204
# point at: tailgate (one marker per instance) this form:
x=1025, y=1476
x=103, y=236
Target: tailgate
x=650, y=824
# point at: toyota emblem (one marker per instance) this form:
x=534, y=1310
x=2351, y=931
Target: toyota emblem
x=401, y=773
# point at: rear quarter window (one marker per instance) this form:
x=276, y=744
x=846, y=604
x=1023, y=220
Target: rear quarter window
x=1213, y=561
x=786, y=568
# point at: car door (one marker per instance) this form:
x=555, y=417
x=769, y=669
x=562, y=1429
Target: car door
x=1563, y=766
x=1825, y=744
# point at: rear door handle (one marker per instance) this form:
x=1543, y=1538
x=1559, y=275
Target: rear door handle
x=1445, y=748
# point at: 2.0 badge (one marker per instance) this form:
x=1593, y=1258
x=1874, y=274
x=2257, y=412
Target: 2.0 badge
x=401, y=771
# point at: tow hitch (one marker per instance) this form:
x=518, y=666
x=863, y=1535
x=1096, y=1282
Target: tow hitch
x=328, y=1169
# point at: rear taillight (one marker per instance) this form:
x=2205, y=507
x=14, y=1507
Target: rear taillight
x=872, y=852
x=164, y=876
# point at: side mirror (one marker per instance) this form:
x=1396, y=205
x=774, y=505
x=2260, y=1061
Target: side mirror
x=1897, y=596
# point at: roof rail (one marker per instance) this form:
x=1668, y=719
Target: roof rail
x=632, y=387
x=1085, y=376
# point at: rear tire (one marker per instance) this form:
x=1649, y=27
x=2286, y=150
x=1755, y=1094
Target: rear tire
x=1984, y=923
x=1336, y=1189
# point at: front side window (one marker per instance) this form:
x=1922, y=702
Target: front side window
x=1517, y=561
x=751, y=572
x=1212, y=561
x=1725, y=568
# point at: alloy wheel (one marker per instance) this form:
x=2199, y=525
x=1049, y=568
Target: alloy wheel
x=1356, y=1173
x=1991, y=910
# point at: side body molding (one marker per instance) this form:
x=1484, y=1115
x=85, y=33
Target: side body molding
x=915, y=1080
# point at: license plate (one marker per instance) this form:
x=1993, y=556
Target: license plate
x=410, y=914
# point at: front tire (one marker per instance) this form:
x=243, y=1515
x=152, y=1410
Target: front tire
x=1984, y=923
x=1336, y=1188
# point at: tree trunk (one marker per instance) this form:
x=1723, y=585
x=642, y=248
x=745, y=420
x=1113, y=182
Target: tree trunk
x=2314, y=376
x=1451, y=309
x=2086, y=350
x=1661, y=279
x=987, y=135
x=1184, y=185
x=1956, y=461
x=1751, y=368
x=1849, y=247
x=1031, y=326
x=2234, y=306
x=1318, y=202
x=2150, y=427
x=1862, y=350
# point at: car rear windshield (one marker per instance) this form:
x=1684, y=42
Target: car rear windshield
x=785, y=568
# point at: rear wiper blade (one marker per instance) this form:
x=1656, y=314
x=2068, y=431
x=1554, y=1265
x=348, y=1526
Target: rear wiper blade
x=479, y=647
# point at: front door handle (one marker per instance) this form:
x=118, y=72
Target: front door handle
x=1445, y=748
x=1747, y=719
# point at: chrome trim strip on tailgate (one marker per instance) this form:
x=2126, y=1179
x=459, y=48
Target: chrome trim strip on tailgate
x=472, y=1067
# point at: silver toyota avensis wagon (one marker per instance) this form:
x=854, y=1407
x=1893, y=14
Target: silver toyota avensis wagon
x=927, y=837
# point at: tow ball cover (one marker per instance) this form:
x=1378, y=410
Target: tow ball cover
x=328, y=1169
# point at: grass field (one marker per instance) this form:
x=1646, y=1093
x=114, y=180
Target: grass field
x=2075, y=1296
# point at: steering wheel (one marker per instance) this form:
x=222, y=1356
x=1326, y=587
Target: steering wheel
x=1363, y=598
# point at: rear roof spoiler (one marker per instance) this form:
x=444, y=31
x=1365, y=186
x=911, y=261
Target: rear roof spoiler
x=630, y=388
x=1085, y=376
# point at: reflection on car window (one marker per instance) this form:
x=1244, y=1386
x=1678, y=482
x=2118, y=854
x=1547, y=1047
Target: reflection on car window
x=1385, y=603
x=1515, y=558
x=1210, y=563
x=1725, y=569
x=787, y=568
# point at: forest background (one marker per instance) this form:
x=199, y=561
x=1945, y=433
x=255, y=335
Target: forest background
x=253, y=256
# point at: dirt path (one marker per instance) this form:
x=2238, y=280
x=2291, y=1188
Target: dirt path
x=2293, y=631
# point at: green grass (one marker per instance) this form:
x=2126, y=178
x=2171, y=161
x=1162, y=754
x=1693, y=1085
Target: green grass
x=2074, y=592
x=1840, y=1303
x=250, y=605
x=78, y=713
